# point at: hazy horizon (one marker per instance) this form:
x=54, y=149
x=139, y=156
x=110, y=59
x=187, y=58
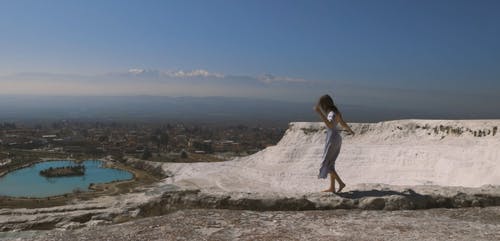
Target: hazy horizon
x=205, y=110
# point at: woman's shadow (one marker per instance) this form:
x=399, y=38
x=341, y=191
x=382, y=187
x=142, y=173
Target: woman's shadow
x=378, y=193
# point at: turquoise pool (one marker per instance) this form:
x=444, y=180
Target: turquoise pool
x=27, y=182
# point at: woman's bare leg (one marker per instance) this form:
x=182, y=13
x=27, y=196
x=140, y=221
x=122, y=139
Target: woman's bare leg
x=337, y=177
x=332, y=183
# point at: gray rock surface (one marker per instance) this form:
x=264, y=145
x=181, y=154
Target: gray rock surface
x=205, y=224
x=166, y=198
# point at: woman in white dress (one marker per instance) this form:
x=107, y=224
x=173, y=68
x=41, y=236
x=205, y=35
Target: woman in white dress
x=331, y=116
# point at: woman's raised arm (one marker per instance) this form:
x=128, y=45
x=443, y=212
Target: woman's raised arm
x=343, y=124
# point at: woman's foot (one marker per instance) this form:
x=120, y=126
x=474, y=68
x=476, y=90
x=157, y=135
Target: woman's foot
x=329, y=190
x=341, y=186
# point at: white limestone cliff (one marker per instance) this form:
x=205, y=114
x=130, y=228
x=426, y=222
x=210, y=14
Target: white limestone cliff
x=402, y=152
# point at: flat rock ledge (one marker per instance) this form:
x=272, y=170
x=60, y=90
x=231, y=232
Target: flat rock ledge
x=463, y=224
x=168, y=198
x=388, y=200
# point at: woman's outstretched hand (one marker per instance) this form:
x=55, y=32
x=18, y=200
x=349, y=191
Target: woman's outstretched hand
x=349, y=132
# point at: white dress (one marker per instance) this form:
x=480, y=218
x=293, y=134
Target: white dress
x=332, y=148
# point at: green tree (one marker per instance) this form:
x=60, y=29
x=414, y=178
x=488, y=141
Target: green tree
x=164, y=139
x=184, y=154
x=146, y=154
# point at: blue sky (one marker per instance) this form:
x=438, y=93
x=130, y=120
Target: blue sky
x=431, y=54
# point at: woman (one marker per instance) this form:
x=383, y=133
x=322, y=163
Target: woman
x=331, y=116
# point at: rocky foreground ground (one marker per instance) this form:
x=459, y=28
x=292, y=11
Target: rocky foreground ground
x=165, y=199
x=210, y=224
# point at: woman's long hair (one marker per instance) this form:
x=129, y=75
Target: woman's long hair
x=327, y=104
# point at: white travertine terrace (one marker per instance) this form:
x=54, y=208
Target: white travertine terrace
x=402, y=152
